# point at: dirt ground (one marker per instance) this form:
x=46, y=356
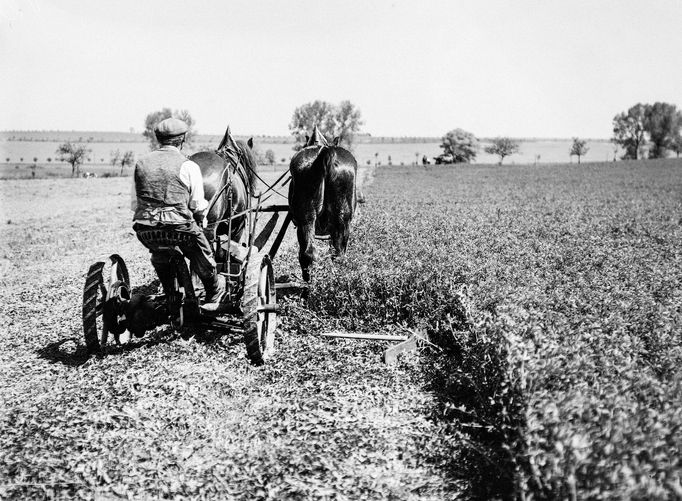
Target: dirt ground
x=185, y=417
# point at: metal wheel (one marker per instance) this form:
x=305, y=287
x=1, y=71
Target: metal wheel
x=105, y=295
x=183, y=306
x=259, y=308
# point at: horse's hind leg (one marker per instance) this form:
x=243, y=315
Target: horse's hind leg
x=306, y=249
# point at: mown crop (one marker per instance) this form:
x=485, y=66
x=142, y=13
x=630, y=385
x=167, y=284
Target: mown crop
x=555, y=292
x=185, y=417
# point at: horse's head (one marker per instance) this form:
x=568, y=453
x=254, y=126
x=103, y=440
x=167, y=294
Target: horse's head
x=247, y=159
x=240, y=154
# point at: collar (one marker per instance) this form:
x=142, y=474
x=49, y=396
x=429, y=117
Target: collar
x=168, y=147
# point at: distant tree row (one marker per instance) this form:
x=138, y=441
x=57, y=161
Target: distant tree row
x=460, y=146
x=657, y=126
x=76, y=154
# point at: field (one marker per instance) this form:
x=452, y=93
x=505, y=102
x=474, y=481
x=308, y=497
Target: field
x=552, y=293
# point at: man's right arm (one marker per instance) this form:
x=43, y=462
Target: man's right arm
x=133, y=196
x=190, y=174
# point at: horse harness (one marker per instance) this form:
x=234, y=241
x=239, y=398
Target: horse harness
x=227, y=171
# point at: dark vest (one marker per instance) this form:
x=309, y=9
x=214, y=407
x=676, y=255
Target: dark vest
x=161, y=195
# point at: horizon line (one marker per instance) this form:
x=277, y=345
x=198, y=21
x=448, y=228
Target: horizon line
x=283, y=136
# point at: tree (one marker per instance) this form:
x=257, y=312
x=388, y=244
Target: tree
x=676, y=144
x=629, y=130
x=579, y=148
x=343, y=121
x=73, y=154
x=462, y=145
x=155, y=117
x=270, y=157
x=348, y=121
x=503, y=147
x=126, y=159
x=663, y=121
x=115, y=157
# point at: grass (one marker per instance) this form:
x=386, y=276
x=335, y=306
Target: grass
x=555, y=292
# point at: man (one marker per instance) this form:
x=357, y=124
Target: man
x=169, y=194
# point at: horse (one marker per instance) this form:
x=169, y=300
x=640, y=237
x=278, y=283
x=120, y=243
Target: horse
x=322, y=197
x=230, y=170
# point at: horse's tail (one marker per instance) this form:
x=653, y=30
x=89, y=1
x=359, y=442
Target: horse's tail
x=327, y=162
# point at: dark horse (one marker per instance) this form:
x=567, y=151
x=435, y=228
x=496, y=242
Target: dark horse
x=322, y=196
x=230, y=171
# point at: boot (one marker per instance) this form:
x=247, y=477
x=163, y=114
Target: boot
x=165, y=274
x=214, y=288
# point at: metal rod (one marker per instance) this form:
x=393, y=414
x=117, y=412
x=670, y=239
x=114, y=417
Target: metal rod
x=228, y=283
x=253, y=217
x=268, y=308
x=275, y=208
x=279, y=237
x=266, y=232
x=371, y=337
x=291, y=285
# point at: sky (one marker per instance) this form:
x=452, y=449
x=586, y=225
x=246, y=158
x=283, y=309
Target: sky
x=522, y=68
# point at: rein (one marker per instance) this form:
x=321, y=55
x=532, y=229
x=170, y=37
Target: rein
x=271, y=187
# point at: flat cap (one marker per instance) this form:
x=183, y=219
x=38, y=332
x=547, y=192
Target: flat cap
x=170, y=127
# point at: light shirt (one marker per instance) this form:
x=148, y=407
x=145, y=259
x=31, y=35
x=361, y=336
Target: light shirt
x=190, y=176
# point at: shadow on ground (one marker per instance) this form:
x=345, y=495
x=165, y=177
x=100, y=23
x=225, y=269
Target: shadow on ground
x=477, y=455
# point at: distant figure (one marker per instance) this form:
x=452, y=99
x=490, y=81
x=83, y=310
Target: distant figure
x=425, y=160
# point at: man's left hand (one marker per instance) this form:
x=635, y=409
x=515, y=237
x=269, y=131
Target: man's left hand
x=200, y=219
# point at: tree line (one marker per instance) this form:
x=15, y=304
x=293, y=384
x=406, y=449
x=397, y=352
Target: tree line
x=654, y=127
x=651, y=130
x=460, y=146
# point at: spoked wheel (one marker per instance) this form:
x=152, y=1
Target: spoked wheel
x=259, y=307
x=176, y=304
x=183, y=306
x=105, y=296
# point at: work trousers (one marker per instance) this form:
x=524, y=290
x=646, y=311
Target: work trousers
x=195, y=247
